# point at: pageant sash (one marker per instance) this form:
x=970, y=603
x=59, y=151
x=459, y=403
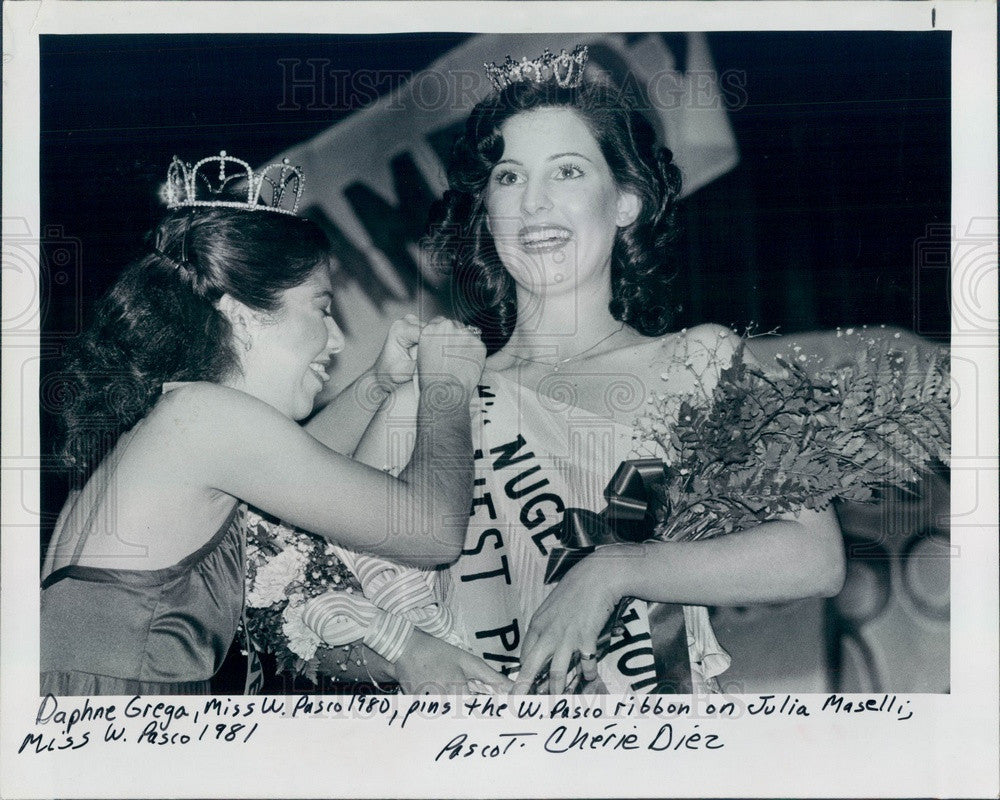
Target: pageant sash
x=534, y=461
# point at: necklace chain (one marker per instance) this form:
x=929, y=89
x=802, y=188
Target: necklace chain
x=559, y=363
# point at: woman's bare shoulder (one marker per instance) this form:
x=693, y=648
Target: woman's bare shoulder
x=688, y=359
x=712, y=338
x=205, y=397
x=201, y=415
x=708, y=340
x=186, y=395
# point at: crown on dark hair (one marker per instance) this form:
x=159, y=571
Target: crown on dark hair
x=566, y=69
x=277, y=187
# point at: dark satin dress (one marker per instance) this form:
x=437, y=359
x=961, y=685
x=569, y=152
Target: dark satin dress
x=126, y=632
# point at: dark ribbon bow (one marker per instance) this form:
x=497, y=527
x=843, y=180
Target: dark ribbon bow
x=629, y=516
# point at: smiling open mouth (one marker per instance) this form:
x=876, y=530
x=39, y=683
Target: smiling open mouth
x=543, y=238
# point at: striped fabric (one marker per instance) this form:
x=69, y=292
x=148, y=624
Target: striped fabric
x=396, y=598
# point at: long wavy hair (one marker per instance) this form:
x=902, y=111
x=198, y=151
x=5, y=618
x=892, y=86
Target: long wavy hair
x=160, y=321
x=641, y=269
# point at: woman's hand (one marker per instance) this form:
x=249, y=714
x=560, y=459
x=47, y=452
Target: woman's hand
x=569, y=621
x=398, y=359
x=450, y=351
x=430, y=665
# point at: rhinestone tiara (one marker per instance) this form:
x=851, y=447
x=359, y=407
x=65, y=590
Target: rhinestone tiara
x=566, y=69
x=277, y=187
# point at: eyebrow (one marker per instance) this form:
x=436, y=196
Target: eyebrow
x=325, y=294
x=553, y=157
x=570, y=153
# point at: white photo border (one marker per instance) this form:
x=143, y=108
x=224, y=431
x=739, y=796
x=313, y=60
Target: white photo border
x=948, y=748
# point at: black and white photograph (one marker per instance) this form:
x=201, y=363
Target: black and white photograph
x=380, y=387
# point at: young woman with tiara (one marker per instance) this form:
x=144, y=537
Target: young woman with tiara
x=186, y=391
x=555, y=231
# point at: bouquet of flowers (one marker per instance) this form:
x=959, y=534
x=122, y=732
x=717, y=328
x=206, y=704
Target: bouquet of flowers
x=773, y=442
x=286, y=567
x=765, y=443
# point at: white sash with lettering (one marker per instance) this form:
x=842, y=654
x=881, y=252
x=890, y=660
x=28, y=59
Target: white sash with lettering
x=535, y=457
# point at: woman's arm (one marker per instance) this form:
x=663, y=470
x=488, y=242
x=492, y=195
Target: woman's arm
x=254, y=453
x=426, y=663
x=773, y=562
x=789, y=558
x=242, y=446
x=341, y=423
x=388, y=441
x=55, y=542
x=427, y=666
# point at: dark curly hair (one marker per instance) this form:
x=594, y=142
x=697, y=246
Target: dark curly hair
x=459, y=243
x=160, y=321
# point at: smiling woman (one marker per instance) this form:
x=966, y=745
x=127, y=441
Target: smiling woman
x=186, y=392
x=296, y=343
x=553, y=206
x=555, y=230
x=557, y=180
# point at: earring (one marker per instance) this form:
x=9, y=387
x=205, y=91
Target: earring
x=248, y=344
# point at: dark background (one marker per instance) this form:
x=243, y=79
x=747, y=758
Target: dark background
x=837, y=213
